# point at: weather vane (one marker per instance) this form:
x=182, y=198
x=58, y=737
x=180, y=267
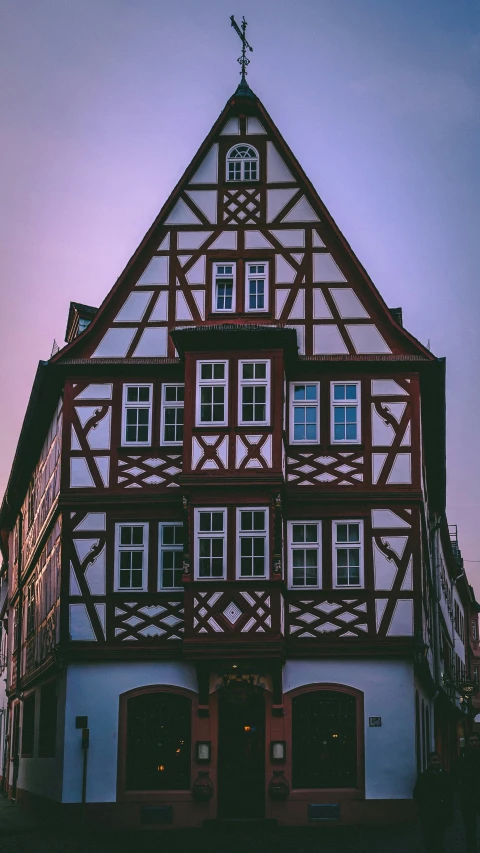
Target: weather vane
x=243, y=59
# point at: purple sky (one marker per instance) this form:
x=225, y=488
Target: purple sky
x=104, y=103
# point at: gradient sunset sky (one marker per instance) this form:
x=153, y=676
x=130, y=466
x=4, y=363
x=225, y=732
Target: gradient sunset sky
x=103, y=103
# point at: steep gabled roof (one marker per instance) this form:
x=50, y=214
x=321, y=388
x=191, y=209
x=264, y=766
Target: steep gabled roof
x=318, y=285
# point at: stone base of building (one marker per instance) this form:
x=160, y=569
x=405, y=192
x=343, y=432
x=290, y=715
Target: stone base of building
x=186, y=813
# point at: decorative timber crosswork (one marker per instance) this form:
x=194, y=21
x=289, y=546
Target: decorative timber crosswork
x=236, y=611
x=313, y=469
x=162, y=620
x=148, y=470
x=241, y=207
x=310, y=618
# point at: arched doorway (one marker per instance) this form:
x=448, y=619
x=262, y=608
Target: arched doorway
x=241, y=752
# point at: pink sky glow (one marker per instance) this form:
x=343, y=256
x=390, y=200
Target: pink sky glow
x=104, y=103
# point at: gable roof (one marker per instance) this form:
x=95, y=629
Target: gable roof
x=348, y=316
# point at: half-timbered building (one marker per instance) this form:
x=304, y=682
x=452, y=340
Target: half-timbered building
x=220, y=523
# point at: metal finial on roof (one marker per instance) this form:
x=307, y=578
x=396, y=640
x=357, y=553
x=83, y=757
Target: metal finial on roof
x=243, y=59
x=55, y=349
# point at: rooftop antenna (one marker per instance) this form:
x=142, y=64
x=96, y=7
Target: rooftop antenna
x=243, y=59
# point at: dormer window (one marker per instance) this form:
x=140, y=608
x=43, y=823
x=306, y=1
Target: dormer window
x=242, y=163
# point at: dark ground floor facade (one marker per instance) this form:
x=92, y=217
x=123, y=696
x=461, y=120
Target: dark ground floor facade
x=174, y=745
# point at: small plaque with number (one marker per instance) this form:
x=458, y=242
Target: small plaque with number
x=375, y=722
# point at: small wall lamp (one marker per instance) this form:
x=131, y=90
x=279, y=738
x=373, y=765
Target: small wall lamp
x=203, y=751
x=278, y=750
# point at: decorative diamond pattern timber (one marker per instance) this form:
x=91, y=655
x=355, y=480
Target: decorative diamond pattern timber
x=311, y=618
x=314, y=469
x=244, y=612
x=161, y=620
x=241, y=206
x=148, y=471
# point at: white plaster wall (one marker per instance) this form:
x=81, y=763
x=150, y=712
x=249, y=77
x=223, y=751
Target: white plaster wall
x=93, y=690
x=388, y=688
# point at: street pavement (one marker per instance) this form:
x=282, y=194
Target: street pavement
x=23, y=832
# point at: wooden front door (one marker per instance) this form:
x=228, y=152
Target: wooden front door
x=241, y=755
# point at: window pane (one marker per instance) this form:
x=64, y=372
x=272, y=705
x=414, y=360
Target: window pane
x=125, y=535
x=206, y=371
x=219, y=371
x=298, y=533
x=299, y=392
x=354, y=533
x=137, y=535
x=205, y=521
x=217, y=521
x=339, y=392
x=324, y=748
x=158, y=747
x=247, y=371
x=168, y=534
x=351, y=392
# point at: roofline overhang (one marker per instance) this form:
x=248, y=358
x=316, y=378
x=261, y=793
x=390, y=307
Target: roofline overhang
x=234, y=336
x=44, y=396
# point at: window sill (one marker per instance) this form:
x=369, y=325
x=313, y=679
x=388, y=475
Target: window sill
x=346, y=445
x=125, y=448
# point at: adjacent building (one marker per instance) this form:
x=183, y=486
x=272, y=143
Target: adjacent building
x=230, y=575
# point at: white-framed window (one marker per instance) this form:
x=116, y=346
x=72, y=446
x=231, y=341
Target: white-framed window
x=242, y=163
x=170, y=555
x=212, y=387
x=210, y=543
x=252, y=542
x=256, y=286
x=173, y=397
x=224, y=287
x=347, y=553
x=137, y=414
x=304, y=412
x=345, y=405
x=304, y=554
x=131, y=556
x=254, y=393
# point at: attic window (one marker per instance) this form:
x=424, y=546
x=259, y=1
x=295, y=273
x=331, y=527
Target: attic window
x=242, y=163
x=83, y=322
x=79, y=318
